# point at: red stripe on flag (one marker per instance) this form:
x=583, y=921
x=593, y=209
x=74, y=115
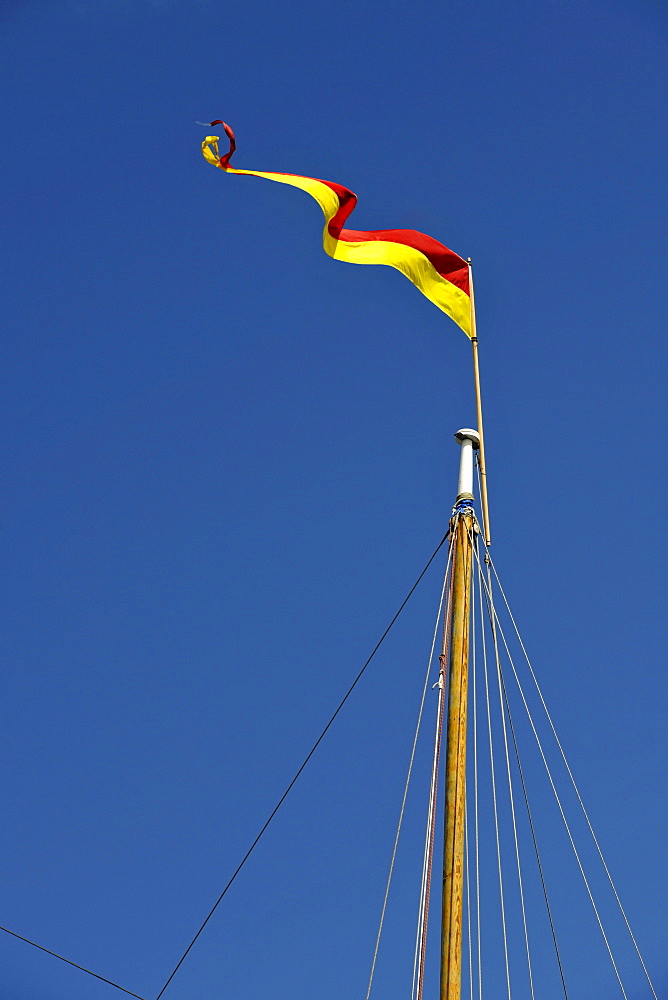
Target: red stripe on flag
x=446, y=262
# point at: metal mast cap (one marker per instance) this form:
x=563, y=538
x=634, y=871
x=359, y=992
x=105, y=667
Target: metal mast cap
x=467, y=434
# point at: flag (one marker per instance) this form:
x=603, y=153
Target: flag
x=440, y=274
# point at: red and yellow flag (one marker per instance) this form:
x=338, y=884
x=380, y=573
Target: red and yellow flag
x=440, y=274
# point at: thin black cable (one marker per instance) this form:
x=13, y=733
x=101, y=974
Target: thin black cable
x=491, y=610
x=67, y=960
x=305, y=762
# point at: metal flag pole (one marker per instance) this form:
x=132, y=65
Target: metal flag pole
x=462, y=528
x=478, y=406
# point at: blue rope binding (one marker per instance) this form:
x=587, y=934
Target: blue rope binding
x=462, y=506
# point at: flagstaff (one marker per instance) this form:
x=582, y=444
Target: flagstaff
x=482, y=465
x=462, y=526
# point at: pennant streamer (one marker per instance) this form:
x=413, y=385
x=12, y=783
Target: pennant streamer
x=440, y=274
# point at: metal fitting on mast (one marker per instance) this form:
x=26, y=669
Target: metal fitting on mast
x=470, y=442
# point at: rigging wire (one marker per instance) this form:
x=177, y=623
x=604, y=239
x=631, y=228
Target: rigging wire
x=280, y=802
x=302, y=766
x=533, y=837
x=481, y=583
x=558, y=799
x=408, y=777
x=475, y=787
x=425, y=887
x=491, y=612
x=573, y=782
x=468, y=903
x=417, y=984
x=525, y=794
x=467, y=849
x=68, y=961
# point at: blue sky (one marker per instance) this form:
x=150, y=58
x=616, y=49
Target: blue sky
x=226, y=458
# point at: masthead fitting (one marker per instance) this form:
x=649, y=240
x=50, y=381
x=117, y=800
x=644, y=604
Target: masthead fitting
x=469, y=440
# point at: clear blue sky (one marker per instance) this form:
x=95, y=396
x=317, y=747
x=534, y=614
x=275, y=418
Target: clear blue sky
x=226, y=457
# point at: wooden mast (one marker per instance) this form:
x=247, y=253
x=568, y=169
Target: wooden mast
x=455, y=759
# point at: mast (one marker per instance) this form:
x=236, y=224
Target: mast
x=462, y=525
